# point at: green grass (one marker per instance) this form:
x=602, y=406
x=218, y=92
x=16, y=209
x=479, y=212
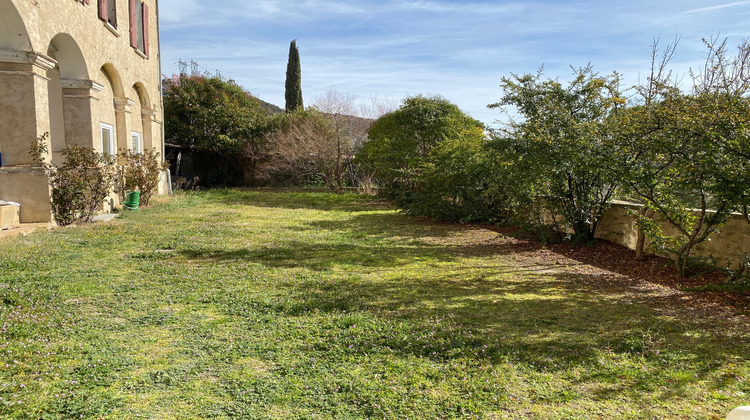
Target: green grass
x=227, y=304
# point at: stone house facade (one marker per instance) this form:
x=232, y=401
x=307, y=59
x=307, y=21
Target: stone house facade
x=85, y=71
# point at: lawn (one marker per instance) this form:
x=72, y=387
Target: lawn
x=228, y=304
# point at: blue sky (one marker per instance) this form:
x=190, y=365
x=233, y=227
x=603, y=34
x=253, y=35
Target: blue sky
x=390, y=49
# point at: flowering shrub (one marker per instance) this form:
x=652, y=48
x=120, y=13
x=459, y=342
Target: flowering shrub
x=80, y=185
x=139, y=173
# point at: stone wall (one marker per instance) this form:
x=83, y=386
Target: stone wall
x=27, y=185
x=728, y=245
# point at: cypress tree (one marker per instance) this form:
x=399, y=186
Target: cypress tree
x=293, y=92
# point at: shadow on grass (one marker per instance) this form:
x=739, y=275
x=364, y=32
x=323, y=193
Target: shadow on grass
x=319, y=257
x=445, y=299
x=297, y=199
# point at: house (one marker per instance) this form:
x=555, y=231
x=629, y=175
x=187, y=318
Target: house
x=85, y=71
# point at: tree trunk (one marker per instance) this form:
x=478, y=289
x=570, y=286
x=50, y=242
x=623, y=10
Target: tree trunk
x=682, y=265
x=640, y=245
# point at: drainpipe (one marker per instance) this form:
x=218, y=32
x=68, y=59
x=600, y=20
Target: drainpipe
x=161, y=99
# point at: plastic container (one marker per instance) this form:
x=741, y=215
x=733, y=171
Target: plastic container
x=132, y=200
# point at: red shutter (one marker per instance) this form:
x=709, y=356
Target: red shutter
x=133, y=26
x=103, y=10
x=145, y=29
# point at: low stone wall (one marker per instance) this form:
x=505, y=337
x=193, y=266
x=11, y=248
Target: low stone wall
x=727, y=245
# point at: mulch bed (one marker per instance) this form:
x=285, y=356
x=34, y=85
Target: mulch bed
x=654, y=269
x=615, y=258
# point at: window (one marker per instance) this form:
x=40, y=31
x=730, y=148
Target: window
x=108, y=12
x=137, y=142
x=108, y=139
x=139, y=26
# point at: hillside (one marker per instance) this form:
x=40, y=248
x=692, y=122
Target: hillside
x=270, y=108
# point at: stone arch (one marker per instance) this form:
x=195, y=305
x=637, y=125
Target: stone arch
x=142, y=113
x=140, y=89
x=118, y=102
x=13, y=34
x=65, y=50
x=69, y=87
x=114, y=78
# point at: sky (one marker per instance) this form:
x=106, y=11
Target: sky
x=387, y=50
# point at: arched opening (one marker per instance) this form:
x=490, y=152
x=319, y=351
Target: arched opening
x=105, y=116
x=112, y=109
x=23, y=116
x=69, y=86
x=142, y=113
x=114, y=78
x=70, y=61
x=13, y=34
x=18, y=123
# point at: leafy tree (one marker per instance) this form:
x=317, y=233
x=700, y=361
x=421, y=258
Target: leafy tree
x=562, y=141
x=723, y=90
x=401, y=140
x=469, y=179
x=214, y=116
x=678, y=153
x=293, y=86
x=675, y=172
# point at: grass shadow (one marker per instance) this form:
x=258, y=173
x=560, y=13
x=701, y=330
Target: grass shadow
x=297, y=199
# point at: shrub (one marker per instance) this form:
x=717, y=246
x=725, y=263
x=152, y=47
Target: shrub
x=139, y=173
x=80, y=185
x=401, y=141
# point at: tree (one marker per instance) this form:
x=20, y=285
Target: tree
x=468, y=179
x=677, y=150
x=293, y=86
x=401, y=140
x=349, y=132
x=723, y=87
x=319, y=143
x=562, y=141
x=215, y=117
x=675, y=171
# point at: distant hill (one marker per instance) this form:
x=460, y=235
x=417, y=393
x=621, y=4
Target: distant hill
x=270, y=108
x=351, y=120
x=357, y=123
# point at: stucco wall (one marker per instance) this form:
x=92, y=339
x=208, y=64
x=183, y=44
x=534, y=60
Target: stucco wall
x=65, y=71
x=97, y=43
x=24, y=109
x=28, y=186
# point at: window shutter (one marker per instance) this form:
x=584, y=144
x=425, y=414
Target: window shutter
x=133, y=26
x=145, y=29
x=103, y=12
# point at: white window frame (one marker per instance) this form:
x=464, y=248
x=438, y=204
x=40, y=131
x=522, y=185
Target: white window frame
x=136, y=140
x=111, y=146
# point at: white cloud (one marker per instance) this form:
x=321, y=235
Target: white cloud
x=191, y=13
x=462, y=8
x=460, y=50
x=719, y=7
